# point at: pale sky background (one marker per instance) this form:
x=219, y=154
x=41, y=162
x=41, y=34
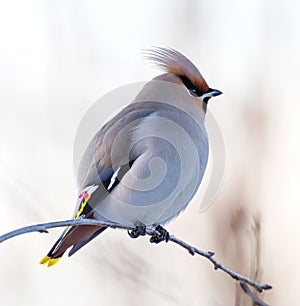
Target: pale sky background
x=58, y=57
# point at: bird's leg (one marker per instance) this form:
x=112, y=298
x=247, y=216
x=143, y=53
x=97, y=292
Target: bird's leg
x=162, y=236
x=140, y=230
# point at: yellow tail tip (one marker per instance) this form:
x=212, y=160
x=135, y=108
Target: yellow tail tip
x=49, y=261
x=45, y=260
x=53, y=261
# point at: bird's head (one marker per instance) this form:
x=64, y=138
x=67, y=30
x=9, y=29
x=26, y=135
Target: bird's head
x=181, y=70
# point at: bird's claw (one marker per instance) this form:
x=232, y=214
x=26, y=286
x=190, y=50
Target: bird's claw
x=162, y=236
x=140, y=230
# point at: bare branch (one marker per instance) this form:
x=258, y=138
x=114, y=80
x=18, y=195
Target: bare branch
x=255, y=299
x=42, y=228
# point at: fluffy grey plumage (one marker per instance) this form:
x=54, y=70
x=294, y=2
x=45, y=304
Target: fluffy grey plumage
x=147, y=162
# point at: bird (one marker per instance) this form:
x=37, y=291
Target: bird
x=144, y=165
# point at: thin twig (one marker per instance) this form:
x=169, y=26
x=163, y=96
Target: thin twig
x=149, y=230
x=257, y=301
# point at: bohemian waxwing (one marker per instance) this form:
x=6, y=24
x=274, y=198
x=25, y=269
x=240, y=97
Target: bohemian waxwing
x=144, y=165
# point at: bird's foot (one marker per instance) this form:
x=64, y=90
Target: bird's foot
x=140, y=230
x=162, y=236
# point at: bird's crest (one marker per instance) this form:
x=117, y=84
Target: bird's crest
x=174, y=62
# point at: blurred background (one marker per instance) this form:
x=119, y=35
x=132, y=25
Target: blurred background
x=58, y=57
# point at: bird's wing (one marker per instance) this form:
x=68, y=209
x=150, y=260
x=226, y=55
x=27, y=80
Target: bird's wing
x=98, y=155
x=105, y=160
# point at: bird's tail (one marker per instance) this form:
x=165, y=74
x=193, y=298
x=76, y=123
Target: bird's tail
x=76, y=236
x=49, y=259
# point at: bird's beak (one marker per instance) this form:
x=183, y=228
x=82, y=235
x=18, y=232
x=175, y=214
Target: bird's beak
x=210, y=93
x=214, y=92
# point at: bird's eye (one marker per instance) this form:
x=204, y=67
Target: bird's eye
x=192, y=89
x=193, y=92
